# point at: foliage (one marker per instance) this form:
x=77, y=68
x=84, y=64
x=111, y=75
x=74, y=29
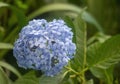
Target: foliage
x=97, y=57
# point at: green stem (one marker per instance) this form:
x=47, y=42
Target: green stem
x=108, y=78
x=85, y=56
x=70, y=69
x=83, y=71
x=81, y=75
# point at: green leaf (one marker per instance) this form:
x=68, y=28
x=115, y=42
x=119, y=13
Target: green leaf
x=90, y=81
x=91, y=51
x=66, y=7
x=69, y=23
x=9, y=67
x=6, y=46
x=28, y=78
x=99, y=37
x=104, y=74
x=2, y=32
x=50, y=80
x=80, y=32
x=20, y=15
x=98, y=72
x=21, y=22
x=90, y=19
x=55, y=7
x=106, y=55
x=3, y=77
x=3, y=4
x=117, y=73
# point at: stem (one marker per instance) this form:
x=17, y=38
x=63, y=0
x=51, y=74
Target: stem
x=108, y=78
x=71, y=70
x=84, y=70
x=81, y=75
x=85, y=56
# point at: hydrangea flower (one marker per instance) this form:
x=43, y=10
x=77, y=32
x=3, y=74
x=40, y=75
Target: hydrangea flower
x=45, y=46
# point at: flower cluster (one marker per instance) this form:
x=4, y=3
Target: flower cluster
x=45, y=46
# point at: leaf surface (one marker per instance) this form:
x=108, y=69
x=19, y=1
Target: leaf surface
x=107, y=54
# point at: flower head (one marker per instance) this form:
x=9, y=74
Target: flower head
x=45, y=46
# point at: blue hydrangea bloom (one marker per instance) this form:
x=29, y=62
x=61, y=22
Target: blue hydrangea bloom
x=45, y=46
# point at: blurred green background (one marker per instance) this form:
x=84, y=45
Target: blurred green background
x=15, y=16
x=106, y=12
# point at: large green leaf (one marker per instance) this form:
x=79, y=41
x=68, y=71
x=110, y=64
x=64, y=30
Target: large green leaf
x=66, y=7
x=51, y=80
x=57, y=79
x=6, y=46
x=80, y=34
x=105, y=55
x=104, y=74
x=55, y=7
x=9, y=67
x=3, y=77
x=28, y=78
x=91, y=51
